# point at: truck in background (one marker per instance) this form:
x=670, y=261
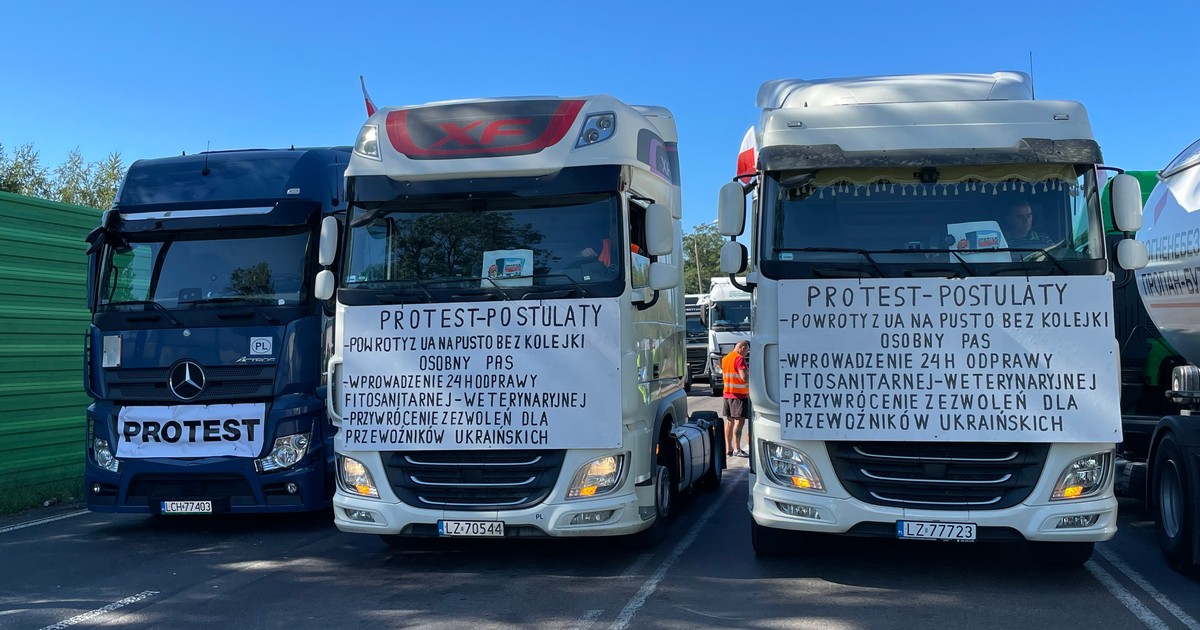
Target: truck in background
x=927, y=375
x=697, y=341
x=205, y=354
x=1159, y=459
x=725, y=311
x=509, y=356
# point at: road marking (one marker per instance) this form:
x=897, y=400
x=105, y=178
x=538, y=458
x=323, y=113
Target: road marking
x=587, y=619
x=41, y=521
x=651, y=584
x=101, y=611
x=1145, y=585
x=1138, y=609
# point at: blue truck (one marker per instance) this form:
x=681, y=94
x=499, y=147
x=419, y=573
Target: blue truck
x=206, y=351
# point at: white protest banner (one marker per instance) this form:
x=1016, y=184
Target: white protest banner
x=971, y=360
x=191, y=431
x=486, y=375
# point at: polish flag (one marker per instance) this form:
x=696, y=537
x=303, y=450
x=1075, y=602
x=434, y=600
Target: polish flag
x=367, y=97
x=747, y=159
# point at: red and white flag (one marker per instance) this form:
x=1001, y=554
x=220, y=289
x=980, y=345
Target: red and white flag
x=367, y=97
x=747, y=159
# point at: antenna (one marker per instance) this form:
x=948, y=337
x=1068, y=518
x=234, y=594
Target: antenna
x=204, y=172
x=1032, y=92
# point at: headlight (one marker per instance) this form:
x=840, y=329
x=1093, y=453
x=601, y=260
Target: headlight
x=790, y=467
x=287, y=450
x=355, y=478
x=597, y=477
x=1083, y=477
x=104, y=457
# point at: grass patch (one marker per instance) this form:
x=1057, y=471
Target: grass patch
x=13, y=499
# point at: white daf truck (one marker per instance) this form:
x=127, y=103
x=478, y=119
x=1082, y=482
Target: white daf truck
x=510, y=324
x=725, y=311
x=929, y=371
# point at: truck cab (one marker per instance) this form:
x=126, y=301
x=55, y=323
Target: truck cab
x=726, y=315
x=205, y=351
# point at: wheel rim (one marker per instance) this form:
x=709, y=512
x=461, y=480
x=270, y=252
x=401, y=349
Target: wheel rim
x=1170, y=500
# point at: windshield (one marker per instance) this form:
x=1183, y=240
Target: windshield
x=183, y=270
x=983, y=214
x=485, y=248
x=730, y=315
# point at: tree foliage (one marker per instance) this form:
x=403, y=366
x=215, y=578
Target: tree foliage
x=701, y=257
x=74, y=181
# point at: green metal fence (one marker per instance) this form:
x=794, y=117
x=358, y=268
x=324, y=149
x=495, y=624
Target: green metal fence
x=43, y=317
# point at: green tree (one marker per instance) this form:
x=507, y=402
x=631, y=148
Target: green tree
x=24, y=174
x=74, y=181
x=701, y=257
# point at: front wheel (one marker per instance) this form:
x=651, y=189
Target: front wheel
x=768, y=541
x=1174, y=506
x=663, y=494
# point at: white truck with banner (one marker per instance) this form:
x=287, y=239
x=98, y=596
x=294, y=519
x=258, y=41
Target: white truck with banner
x=925, y=364
x=510, y=324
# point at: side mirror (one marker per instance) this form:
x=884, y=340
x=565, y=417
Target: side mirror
x=327, y=248
x=1132, y=254
x=660, y=230
x=731, y=209
x=663, y=276
x=1126, y=199
x=733, y=257
x=324, y=285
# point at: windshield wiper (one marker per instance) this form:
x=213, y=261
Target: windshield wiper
x=144, y=303
x=1039, y=250
x=239, y=300
x=866, y=254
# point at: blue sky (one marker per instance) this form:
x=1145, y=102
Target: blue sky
x=151, y=79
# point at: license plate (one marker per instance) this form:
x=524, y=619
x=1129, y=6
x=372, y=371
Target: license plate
x=928, y=530
x=471, y=528
x=187, y=507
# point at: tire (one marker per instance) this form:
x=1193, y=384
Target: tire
x=1174, y=506
x=716, y=389
x=1061, y=554
x=664, y=497
x=768, y=541
x=687, y=382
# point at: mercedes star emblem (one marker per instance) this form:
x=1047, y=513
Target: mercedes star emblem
x=187, y=380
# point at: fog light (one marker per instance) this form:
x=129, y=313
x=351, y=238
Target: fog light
x=591, y=518
x=291, y=487
x=1087, y=520
x=362, y=516
x=96, y=488
x=799, y=511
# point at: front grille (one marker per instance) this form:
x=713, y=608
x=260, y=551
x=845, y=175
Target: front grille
x=938, y=475
x=223, y=383
x=473, y=480
x=233, y=488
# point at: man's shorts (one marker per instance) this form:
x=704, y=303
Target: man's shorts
x=736, y=407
